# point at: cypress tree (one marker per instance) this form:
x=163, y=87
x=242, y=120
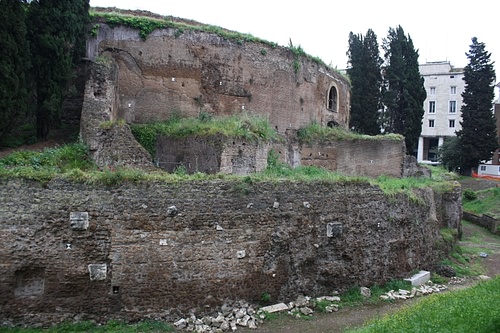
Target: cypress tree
x=366, y=81
x=14, y=65
x=478, y=137
x=404, y=94
x=57, y=37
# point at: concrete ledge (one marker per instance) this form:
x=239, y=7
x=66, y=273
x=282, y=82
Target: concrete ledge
x=419, y=278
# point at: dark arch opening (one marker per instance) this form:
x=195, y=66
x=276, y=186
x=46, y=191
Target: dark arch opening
x=332, y=99
x=332, y=124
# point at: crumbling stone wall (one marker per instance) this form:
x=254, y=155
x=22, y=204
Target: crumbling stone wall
x=226, y=155
x=74, y=251
x=211, y=154
x=193, y=71
x=110, y=141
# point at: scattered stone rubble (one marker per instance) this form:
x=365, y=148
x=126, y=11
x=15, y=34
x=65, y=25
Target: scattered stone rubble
x=229, y=318
x=242, y=314
x=403, y=294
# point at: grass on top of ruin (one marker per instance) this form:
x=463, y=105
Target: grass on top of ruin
x=242, y=126
x=147, y=24
x=317, y=133
x=72, y=162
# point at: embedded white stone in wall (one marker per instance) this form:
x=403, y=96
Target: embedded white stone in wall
x=79, y=220
x=172, y=211
x=98, y=272
x=241, y=254
x=163, y=242
x=334, y=229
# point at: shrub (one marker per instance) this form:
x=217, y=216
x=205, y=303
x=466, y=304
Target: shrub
x=469, y=195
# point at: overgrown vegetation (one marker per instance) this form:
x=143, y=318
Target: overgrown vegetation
x=73, y=163
x=244, y=126
x=317, y=133
x=112, y=326
x=146, y=25
x=469, y=310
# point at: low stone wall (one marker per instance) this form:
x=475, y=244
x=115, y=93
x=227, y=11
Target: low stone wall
x=489, y=223
x=161, y=250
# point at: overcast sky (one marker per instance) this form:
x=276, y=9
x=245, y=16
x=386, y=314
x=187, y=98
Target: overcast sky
x=440, y=29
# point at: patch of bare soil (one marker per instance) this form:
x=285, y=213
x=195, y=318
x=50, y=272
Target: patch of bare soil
x=347, y=318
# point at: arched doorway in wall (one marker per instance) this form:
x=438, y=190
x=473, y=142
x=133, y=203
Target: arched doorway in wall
x=332, y=103
x=333, y=124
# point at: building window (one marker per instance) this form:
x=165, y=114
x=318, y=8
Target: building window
x=453, y=107
x=332, y=99
x=452, y=123
x=453, y=90
x=431, y=122
x=432, y=106
x=433, y=90
x=452, y=76
x=483, y=167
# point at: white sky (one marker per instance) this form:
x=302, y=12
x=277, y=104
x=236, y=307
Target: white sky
x=440, y=29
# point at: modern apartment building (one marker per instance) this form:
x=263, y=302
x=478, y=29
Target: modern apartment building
x=444, y=85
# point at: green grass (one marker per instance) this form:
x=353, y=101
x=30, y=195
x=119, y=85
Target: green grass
x=352, y=297
x=465, y=261
x=314, y=133
x=89, y=327
x=471, y=310
x=146, y=25
x=487, y=202
x=242, y=126
x=71, y=162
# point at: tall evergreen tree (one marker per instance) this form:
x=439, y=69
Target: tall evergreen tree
x=366, y=80
x=14, y=65
x=404, y=94
x=478, y=137
x=57, y=39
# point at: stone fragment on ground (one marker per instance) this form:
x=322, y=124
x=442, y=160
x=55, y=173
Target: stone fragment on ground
x=242, y=314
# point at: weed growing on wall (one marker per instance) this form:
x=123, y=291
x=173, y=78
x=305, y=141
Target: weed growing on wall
x=243, y=126
x=317, y=133
x=146, y=25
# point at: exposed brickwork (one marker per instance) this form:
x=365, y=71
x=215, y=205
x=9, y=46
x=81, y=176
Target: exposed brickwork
x=226, y=240
x=199, y=71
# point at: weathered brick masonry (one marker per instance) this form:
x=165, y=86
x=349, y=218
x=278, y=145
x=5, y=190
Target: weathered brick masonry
x=225, y=240
x=193, y=71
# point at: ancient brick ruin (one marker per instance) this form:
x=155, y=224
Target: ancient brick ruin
x=73, y=251
x=160, y=250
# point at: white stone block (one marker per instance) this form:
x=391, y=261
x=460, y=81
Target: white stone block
x=275, y=308
x=419, y=278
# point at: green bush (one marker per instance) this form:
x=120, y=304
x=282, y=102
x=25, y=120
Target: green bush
x=469, y=195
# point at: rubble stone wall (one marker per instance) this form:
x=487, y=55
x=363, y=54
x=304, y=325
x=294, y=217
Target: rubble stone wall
x=160, y=250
